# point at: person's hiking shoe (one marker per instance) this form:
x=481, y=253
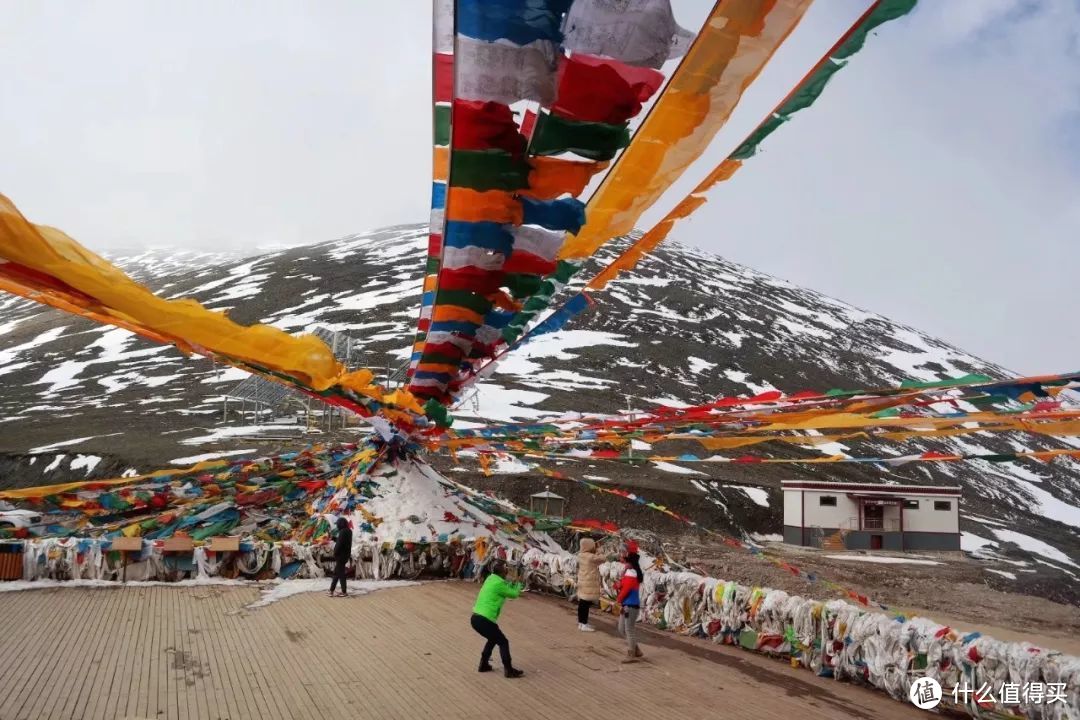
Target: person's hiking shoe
x=485, y=667
x=514, y=673
x=585, y=627
x=638, y=653
x=630, y=657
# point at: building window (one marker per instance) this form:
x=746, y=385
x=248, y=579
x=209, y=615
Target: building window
x=827, y=501
x=942, y=505
x=911, y=504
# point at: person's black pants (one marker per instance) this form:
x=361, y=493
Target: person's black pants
x=583, y=607
x=494, y=637
x=339, y=575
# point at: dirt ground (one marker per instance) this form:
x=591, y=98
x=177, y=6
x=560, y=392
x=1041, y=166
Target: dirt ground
x=954, y=592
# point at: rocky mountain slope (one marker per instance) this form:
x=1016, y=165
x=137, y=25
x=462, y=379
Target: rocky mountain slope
x=78, y=400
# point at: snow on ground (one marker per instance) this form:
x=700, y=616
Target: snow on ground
x=369, y=299
x=676, y=469
x=698, y=366
x=911, y=363
x=8, y=355
x=556, y=346
x=289, y=588
x=64, y=443
x=667, y=401
x=766, y=537
x=6, y=327
x=1049, y=506
x=735, y=338
x=1032, y=545
x=645, y=281
x=883, y=559
x=1002, y=573
x=971, y=543
x=412, y=503
x=496, y=403
x=798, y=328
x=111, y=347
x=227, y=374
x=209, y=456
x=738, y=376
x=55, y=463
x=120, y=381
x=510, y=466
x=236, y=275
x=245, y=287
x=87, y=462
x=758, y=495
x=831, y=448
x=233, y=431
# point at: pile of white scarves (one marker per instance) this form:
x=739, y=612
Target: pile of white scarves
x=834, y=638
x=90, y=559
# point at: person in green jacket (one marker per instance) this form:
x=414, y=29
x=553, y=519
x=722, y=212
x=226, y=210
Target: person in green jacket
x=485, y=618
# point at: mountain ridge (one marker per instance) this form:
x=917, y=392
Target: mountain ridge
x=684, y=327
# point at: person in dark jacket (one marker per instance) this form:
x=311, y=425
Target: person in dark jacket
x=485, y=619
x=342, y=555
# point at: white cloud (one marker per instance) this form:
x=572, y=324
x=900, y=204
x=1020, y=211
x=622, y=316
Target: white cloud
x=935, y=181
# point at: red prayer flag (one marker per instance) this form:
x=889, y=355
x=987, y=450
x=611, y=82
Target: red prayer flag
x=528, y=124
x=486, y=126
x=443, y=77
x=602, y=90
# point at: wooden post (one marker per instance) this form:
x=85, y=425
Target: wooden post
x=178, y=544
x=125, y=546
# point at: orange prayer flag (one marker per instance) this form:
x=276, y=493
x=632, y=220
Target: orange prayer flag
x=552, y=177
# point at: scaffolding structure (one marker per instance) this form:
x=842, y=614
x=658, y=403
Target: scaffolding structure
x=261, y=399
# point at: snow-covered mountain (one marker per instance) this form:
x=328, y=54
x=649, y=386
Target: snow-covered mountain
x=79, y=400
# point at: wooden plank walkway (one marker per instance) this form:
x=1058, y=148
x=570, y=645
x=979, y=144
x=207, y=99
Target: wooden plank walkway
x=196, y=652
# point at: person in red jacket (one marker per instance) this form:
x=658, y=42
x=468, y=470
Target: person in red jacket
x=629, y=599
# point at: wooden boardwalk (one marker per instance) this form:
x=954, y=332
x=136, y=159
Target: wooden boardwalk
x=196, y=652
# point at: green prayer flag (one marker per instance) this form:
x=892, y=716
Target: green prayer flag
x=885, y=11
x=522, y=285
x=488, y=170
x=463, y=298
x=442, y=125
x=749, y=147
x=809, y=89
x=597, y=141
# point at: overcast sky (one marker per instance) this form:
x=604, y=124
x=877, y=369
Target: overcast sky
x=937, y=181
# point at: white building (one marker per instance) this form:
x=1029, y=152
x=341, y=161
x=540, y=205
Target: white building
x=872, y=517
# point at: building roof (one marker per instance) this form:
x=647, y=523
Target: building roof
x=547, y=494
x=865, y=488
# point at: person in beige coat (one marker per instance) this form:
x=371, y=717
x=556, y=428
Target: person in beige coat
x=588, y=582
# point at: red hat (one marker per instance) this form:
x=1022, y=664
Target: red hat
x=631, y=547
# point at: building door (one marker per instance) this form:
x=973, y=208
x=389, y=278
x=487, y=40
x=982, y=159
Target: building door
x=875, y=542
x=873, y=517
